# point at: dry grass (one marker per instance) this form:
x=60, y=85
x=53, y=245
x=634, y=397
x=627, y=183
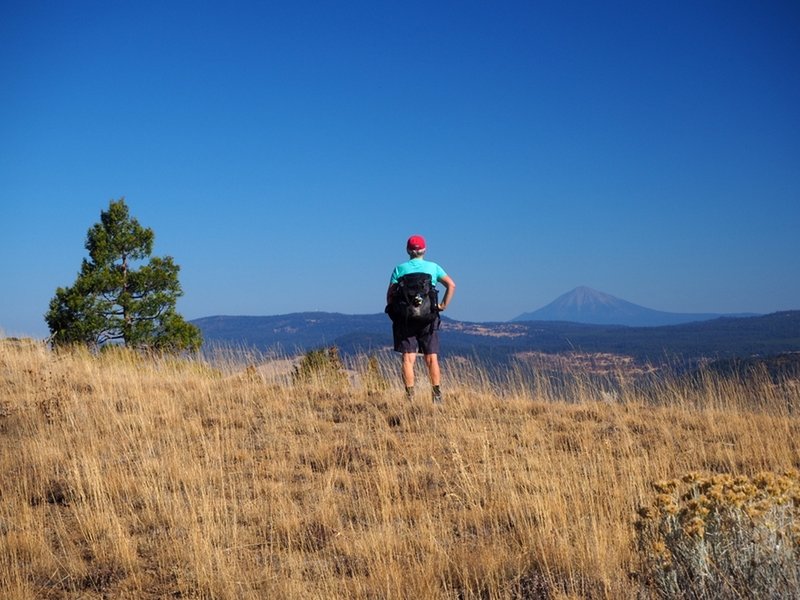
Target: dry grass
x=148, y=478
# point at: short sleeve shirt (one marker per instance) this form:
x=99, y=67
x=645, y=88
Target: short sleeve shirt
x=418, y=265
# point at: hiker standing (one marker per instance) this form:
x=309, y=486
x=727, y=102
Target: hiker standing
x=412, y=303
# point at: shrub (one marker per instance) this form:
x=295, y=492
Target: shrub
x=322, y=365
x=720, y=536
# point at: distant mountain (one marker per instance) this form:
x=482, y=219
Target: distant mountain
x=585, y=305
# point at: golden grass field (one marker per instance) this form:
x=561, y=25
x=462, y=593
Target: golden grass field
x=131, y=477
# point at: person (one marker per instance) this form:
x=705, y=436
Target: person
x=409, y=341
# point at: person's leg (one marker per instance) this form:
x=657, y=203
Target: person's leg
x=409, y=358
x=429, y=344
x=407, y=346
x=432, y=360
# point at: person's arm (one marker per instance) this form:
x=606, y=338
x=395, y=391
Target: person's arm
x=450, y=289
x=392, y=287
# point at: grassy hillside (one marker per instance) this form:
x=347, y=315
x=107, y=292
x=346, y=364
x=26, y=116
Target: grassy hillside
x=146, y=478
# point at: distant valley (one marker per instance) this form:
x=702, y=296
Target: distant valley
x=587, y=326
x=504, y=343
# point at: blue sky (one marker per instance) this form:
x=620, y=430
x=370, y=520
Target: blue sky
x=283, y=152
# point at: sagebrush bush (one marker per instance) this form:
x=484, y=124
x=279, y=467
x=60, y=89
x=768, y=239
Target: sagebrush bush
x=722, y=536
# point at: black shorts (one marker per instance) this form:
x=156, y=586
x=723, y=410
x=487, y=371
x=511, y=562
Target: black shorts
x=425, y=340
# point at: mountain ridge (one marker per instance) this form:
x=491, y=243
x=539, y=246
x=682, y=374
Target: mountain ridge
x=501, y=343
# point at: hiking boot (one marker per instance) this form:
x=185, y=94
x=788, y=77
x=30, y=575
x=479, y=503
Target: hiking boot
x=437, y=395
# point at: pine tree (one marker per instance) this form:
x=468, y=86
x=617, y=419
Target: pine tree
x=119, y=298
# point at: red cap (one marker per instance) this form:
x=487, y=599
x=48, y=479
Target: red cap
x=415, y=243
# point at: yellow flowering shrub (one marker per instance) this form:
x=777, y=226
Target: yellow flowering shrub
x=722, y=536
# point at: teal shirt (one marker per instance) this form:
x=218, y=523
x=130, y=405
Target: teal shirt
x=418, y=265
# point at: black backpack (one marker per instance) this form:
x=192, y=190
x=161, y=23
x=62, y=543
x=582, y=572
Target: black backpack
x=415, y=303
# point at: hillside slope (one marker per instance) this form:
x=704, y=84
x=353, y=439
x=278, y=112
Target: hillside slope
x=130, y=476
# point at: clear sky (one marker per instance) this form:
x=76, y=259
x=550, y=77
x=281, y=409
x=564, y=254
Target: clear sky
x=284, y=151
